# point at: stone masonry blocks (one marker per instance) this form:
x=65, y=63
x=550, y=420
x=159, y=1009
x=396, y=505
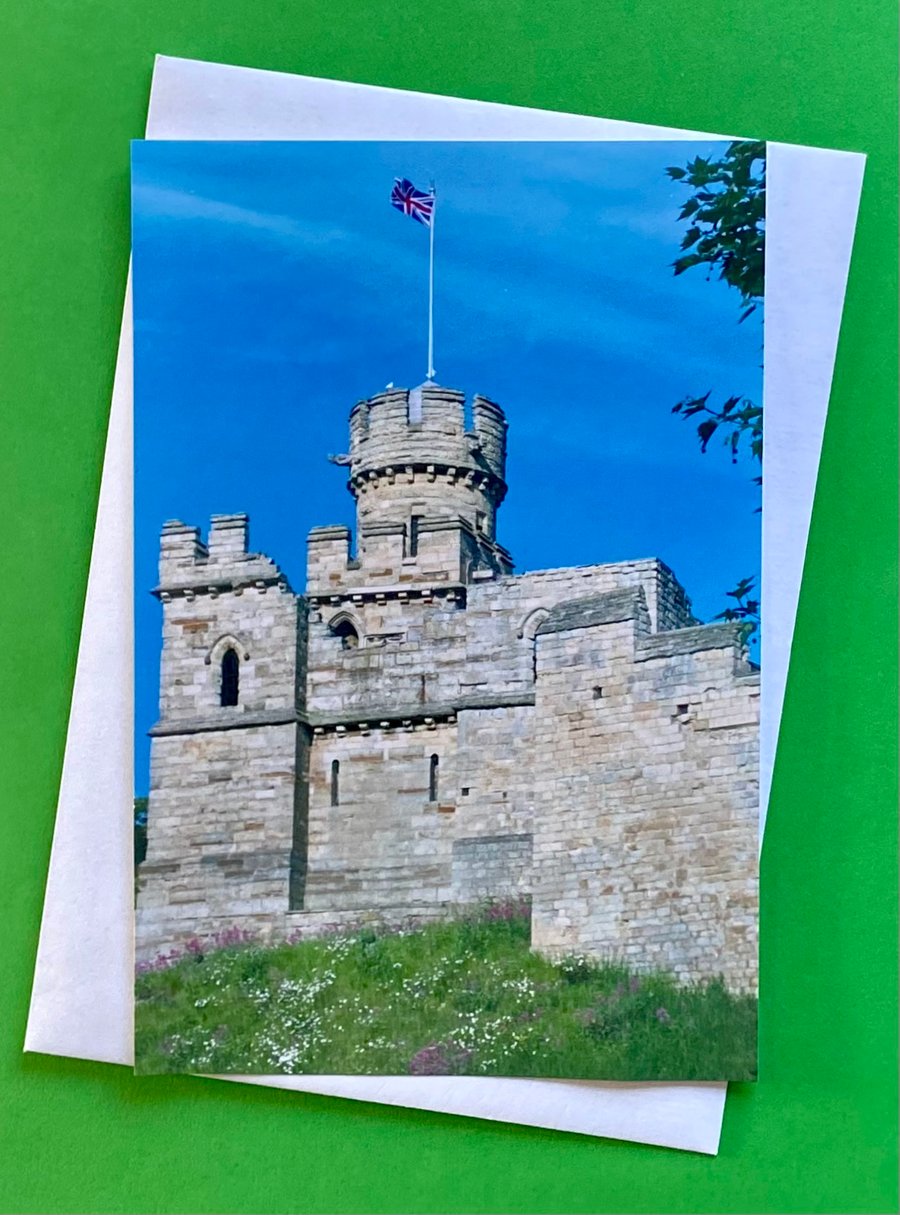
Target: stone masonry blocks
x=423, y=729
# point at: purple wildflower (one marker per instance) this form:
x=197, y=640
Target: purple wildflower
x=439, y=1059
x=504, y=910
x=197, y=947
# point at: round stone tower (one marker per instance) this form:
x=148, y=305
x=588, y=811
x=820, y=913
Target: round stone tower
x=427, y=491
x=409, y=448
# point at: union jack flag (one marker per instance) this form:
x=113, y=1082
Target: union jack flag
x=406, y=198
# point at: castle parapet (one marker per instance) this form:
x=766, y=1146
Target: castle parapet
x=180, y=548
x=426, y=426
x=187, y=566
x=591, y=611
x=228, y=535
x=490, y=427
x=426, y=420
x=327, y=557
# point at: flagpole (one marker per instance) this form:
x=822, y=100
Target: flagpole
x=430, y=372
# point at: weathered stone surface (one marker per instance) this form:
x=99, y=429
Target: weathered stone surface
x=492, y=866
x=689, y=641
x=423, y=729
x=608, y=608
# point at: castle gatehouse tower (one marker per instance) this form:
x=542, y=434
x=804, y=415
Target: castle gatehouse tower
x=424, y=729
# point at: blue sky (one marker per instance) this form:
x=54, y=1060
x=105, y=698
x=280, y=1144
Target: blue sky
x=274, y=286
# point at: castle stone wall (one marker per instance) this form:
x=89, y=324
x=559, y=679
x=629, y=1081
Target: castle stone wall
x=222, y=808
x=489, y=867
x=424, y=730
x=646, y=813
x=410, y=654
x=445, y=645
x=385, y=841
x=495, y=770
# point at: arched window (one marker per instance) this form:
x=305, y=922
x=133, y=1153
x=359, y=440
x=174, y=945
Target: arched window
x=335, y=783
x=347, y=633
x=528, y=631
x=433, y=778
x=228, y=693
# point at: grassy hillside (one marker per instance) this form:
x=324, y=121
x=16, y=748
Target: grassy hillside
x=467, y=997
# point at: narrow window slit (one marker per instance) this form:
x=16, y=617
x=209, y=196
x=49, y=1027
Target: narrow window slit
x=228, y=692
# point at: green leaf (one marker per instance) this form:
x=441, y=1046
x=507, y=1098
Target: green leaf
x=706, y=430
x=745, y=585
x=690, y=237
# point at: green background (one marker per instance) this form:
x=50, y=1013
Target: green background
x=818, y=1132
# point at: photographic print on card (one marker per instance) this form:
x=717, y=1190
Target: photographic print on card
x=451, y=767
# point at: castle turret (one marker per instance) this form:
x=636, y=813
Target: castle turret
x=232, y=679
x=427, y=491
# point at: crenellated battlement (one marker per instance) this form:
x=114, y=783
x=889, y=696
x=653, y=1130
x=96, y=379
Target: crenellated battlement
x=427, y=486
x=490, y=426
x=427, y=426
x=180, y=550
x=188, y=567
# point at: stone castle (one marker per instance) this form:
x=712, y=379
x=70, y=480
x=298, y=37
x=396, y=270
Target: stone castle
x=424, y=729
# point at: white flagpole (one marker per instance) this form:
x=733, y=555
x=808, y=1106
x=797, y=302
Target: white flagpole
x=430, y=372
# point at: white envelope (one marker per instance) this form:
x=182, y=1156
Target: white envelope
x=81, y=1002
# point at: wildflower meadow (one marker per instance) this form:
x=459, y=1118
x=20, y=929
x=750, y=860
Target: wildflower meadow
x=466, y=997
